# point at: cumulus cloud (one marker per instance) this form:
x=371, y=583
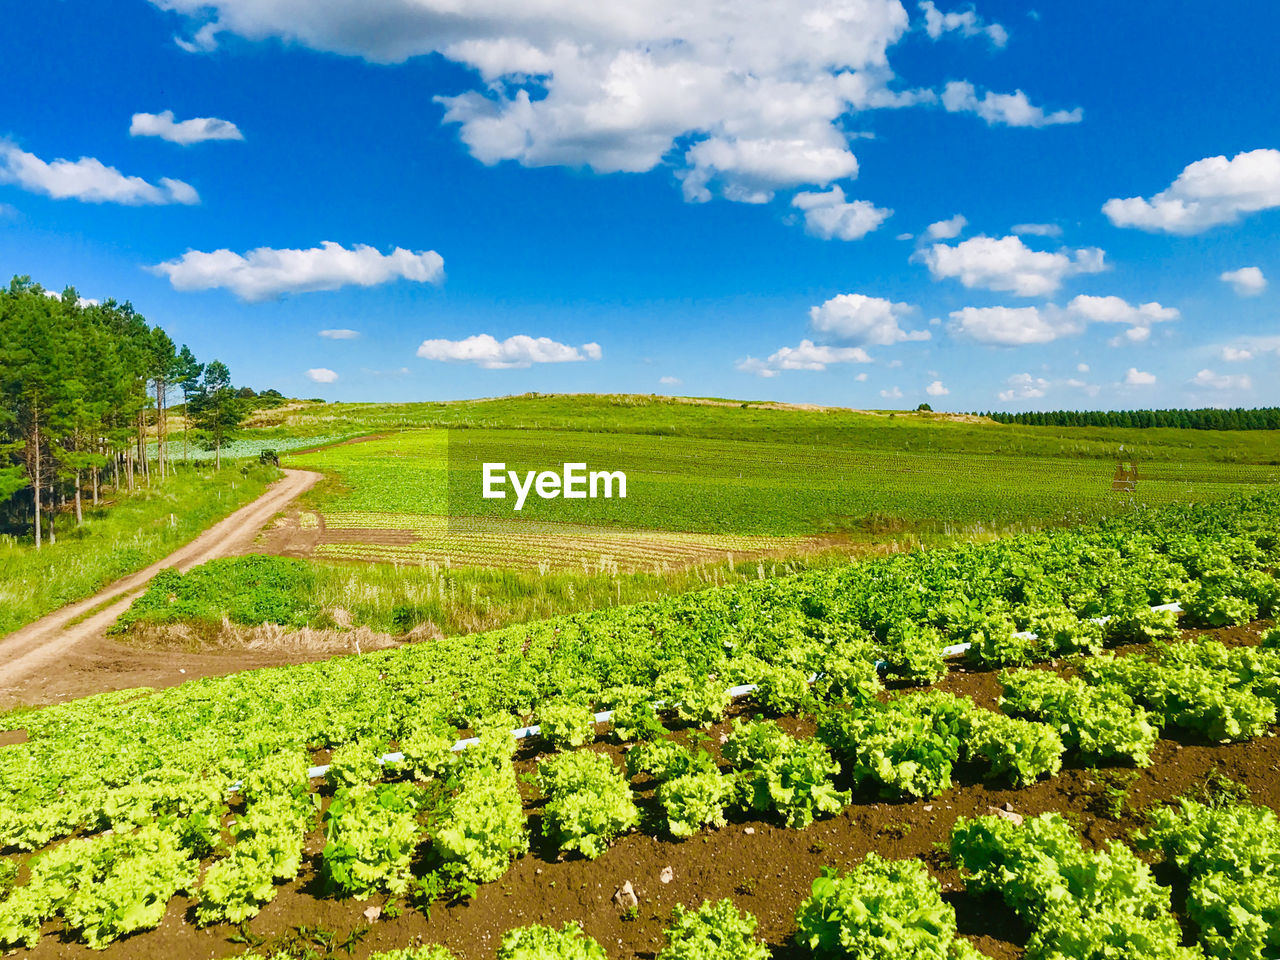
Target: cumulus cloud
x=1247, y=281
x=1003, y=109
x=1140, y=317
x=185, y=132
x=807, y=356
x=936, y=389
x=1236, y=354
x=89, y=180
x=670, y=381
x=1012, y=326
x=946, y=229
x=1139, y=378
x=966, y=22
x=1023, y=386
x=1018, y=326
x=1082, y=368
x=862, y=319
x=1008, y=264
x=1037, y=229
x=742, y=99
x=1212, y=381
x=80, y=301
x=1207, y=193
x=265, y=273
x=828, y=215
x=321, y=375
x=515, y=352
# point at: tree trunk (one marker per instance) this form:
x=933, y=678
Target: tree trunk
x=79, y=514
x=53, y=515
x=95, y=486
x=35, y=477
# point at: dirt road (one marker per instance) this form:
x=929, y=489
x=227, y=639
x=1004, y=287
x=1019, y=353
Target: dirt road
x=61, y=656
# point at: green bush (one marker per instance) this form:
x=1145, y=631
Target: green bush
x=537, y=942
x=715, y=931
x=588, y=804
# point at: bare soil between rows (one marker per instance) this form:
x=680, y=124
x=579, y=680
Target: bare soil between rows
x=765, y=868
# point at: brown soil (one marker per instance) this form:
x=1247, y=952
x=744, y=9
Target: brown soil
x=66, y=654
x=764, y=868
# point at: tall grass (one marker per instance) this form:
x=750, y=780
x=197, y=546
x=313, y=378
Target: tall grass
x=118, y=538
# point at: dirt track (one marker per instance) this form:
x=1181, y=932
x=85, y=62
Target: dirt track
x=55, y=658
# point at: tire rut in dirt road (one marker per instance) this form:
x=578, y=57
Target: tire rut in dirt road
x=41, y=646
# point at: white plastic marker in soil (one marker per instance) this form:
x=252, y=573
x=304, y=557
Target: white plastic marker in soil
x=522, y=733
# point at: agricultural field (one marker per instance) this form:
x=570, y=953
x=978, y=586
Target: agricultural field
x=1059, y=744
x=751, y=482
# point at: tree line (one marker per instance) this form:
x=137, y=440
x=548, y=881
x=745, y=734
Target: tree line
x=1208, y=418
x=82, y=387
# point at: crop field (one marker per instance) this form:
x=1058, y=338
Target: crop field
x=414, y=496
x=1097, y=780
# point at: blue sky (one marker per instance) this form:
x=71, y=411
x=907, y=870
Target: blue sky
x=564, y=195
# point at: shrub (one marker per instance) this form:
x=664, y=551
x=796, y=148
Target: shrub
x=715, y=931
x=881, y=908
x=588, y=802
x=567, y=723
x=537, y=942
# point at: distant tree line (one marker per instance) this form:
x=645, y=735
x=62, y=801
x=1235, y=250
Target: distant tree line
x=83, y=387
x=1208, y=418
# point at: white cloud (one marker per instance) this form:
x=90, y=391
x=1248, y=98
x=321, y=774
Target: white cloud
x=742, y=99
x=946, y=229
x=1139, y=378
x=1236, y=354
x=861, y=319
x=1116, y=310
x=966, y=22
x=185, y=132
x=893, y=393
x=936, y=389
x=905, y=236
x=1007, y=264
x=1212, y=381
x=861, y=378
x=1013, y=326
x=1023, y=386
x=1247, y=281
x=89, y=180
x=670, y=381
x=340, y=334
x=807, y=356
x=828, y=215
x=321, y=375
x=519, y=351
x=1209, y=192
x=1082, y=368
x=1037, y=229
x=266, y=272
x=1008, y=109
x=80, y=301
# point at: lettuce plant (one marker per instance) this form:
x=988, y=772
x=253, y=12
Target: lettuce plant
x=715, y=931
